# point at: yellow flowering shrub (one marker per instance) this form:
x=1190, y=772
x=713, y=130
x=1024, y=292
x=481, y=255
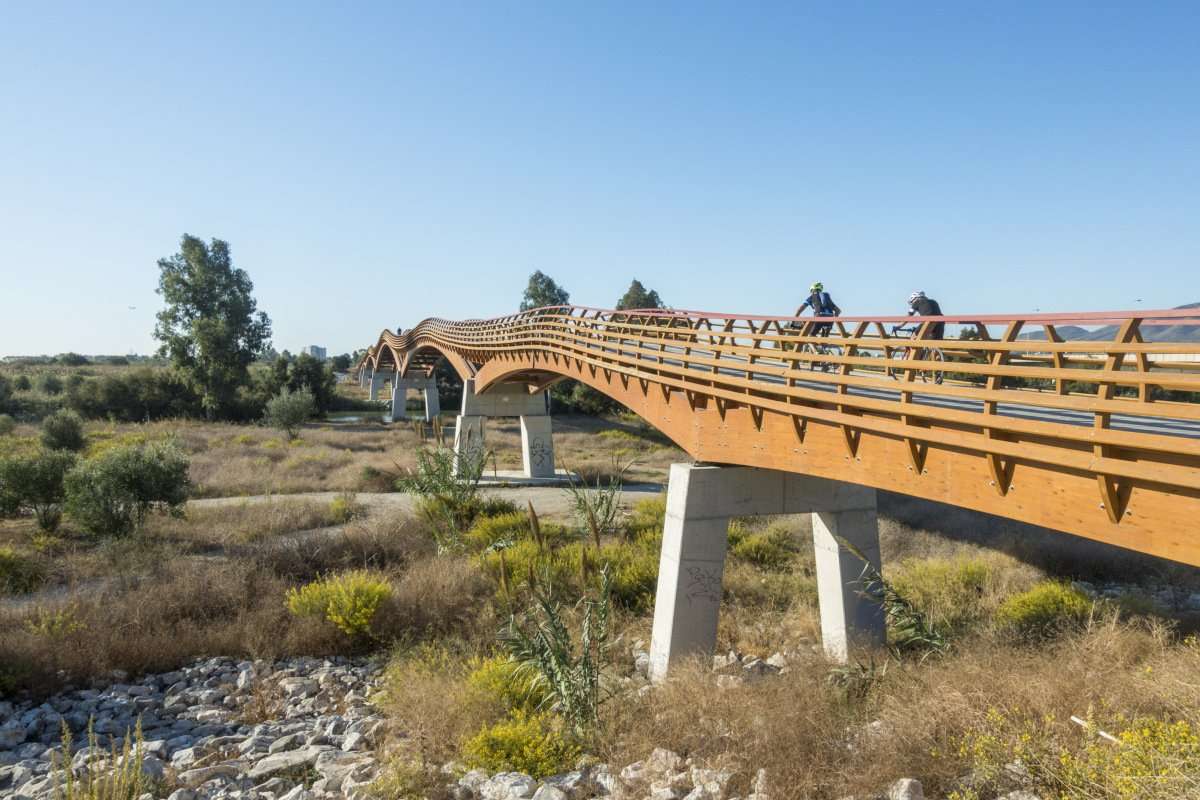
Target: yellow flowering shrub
x=531, y=743
x=497, y=679
x=1142, y=759
x=349, y=600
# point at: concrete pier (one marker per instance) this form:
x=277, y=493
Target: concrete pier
x=509, y=400
x=701, y=500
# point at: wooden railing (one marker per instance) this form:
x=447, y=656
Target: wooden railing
x=1123, y=411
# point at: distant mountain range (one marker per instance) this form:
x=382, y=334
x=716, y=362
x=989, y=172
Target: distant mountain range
x=1151, y=333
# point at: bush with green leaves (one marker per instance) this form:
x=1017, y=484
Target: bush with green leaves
x=22, y=383
x=770, y=549
x=111, y=494
x=36, y=483
x=348, y=600
x=6, y=390
x=909, y=631
x=548, y=657
x=597, y=508
x=344, y=508
x=63, y=430
x=19, y=573
x=499, y=679
x=1044, y=610
x=50, y=384
x=447, y=484
x=7, y=424
x=288, y=410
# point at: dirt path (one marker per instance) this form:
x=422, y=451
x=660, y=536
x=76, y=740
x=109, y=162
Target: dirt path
x=549, y=501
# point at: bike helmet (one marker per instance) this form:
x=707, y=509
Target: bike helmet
x=914, y=297
x=816, y=287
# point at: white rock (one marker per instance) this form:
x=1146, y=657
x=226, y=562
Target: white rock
x=182, y=794
x=576, y=784
x=1020, y=794
x=289, y=742
x=634, y=774
x=281, y=762
x=608, y=783
x=662, y=761
x=906, y=789
x=508, y=786
x=194, y=777
x=473, y=780
x=549, y=792
x=354, y=741
x=298, y=792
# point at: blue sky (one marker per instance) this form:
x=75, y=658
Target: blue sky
x=376, y=164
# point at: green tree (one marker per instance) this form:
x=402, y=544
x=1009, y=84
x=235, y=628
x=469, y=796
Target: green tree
x=309, y=373
x=6, y=391
x=288, y=410
x=51, y=384
x=543, y=291
x=110, y=495
x=22, y=383
x=211, y=328
x=636, y=296
x=35, y=483
x=341, y=363
x=71, y=359
x=63, y=430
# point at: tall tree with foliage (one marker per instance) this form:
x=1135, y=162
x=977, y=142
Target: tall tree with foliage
x=543, y=291
x=637, y=296
x=211, y=328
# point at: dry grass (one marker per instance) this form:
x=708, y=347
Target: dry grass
x=230, y=460
x=163, y=609
x=815, y=743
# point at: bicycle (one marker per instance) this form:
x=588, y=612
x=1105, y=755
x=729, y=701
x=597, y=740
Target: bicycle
x=937, y=374
x=818, y=351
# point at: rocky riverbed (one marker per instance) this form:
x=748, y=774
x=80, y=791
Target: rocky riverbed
x=305, y=728
x=219, y=728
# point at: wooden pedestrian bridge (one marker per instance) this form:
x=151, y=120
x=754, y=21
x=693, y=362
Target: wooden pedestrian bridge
x=1087, y=423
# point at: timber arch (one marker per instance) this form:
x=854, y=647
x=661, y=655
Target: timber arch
x=1099, y=437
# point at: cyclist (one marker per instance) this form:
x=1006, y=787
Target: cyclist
x=822, y=305
x=921, y=305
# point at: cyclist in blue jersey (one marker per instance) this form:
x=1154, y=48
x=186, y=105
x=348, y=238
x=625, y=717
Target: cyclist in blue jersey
x=822, y=305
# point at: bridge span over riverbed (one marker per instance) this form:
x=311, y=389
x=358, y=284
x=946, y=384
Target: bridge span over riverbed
x=1087, y=423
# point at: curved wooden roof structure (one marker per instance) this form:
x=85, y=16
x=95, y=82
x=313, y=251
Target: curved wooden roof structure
x=1097, y=434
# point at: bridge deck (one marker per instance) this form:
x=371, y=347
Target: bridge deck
x=1098, y=437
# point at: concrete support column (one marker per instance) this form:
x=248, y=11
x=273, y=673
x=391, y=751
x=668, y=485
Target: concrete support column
x=433, y=404
x=847, y=619
x=537, y=446
x=468, y=438
x=378, y=378
x=399, y=392
x=690, y=567
x=700, y=501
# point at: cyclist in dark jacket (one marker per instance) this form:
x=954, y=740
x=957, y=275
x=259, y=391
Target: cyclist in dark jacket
x=822, y=305
x=924, y=306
